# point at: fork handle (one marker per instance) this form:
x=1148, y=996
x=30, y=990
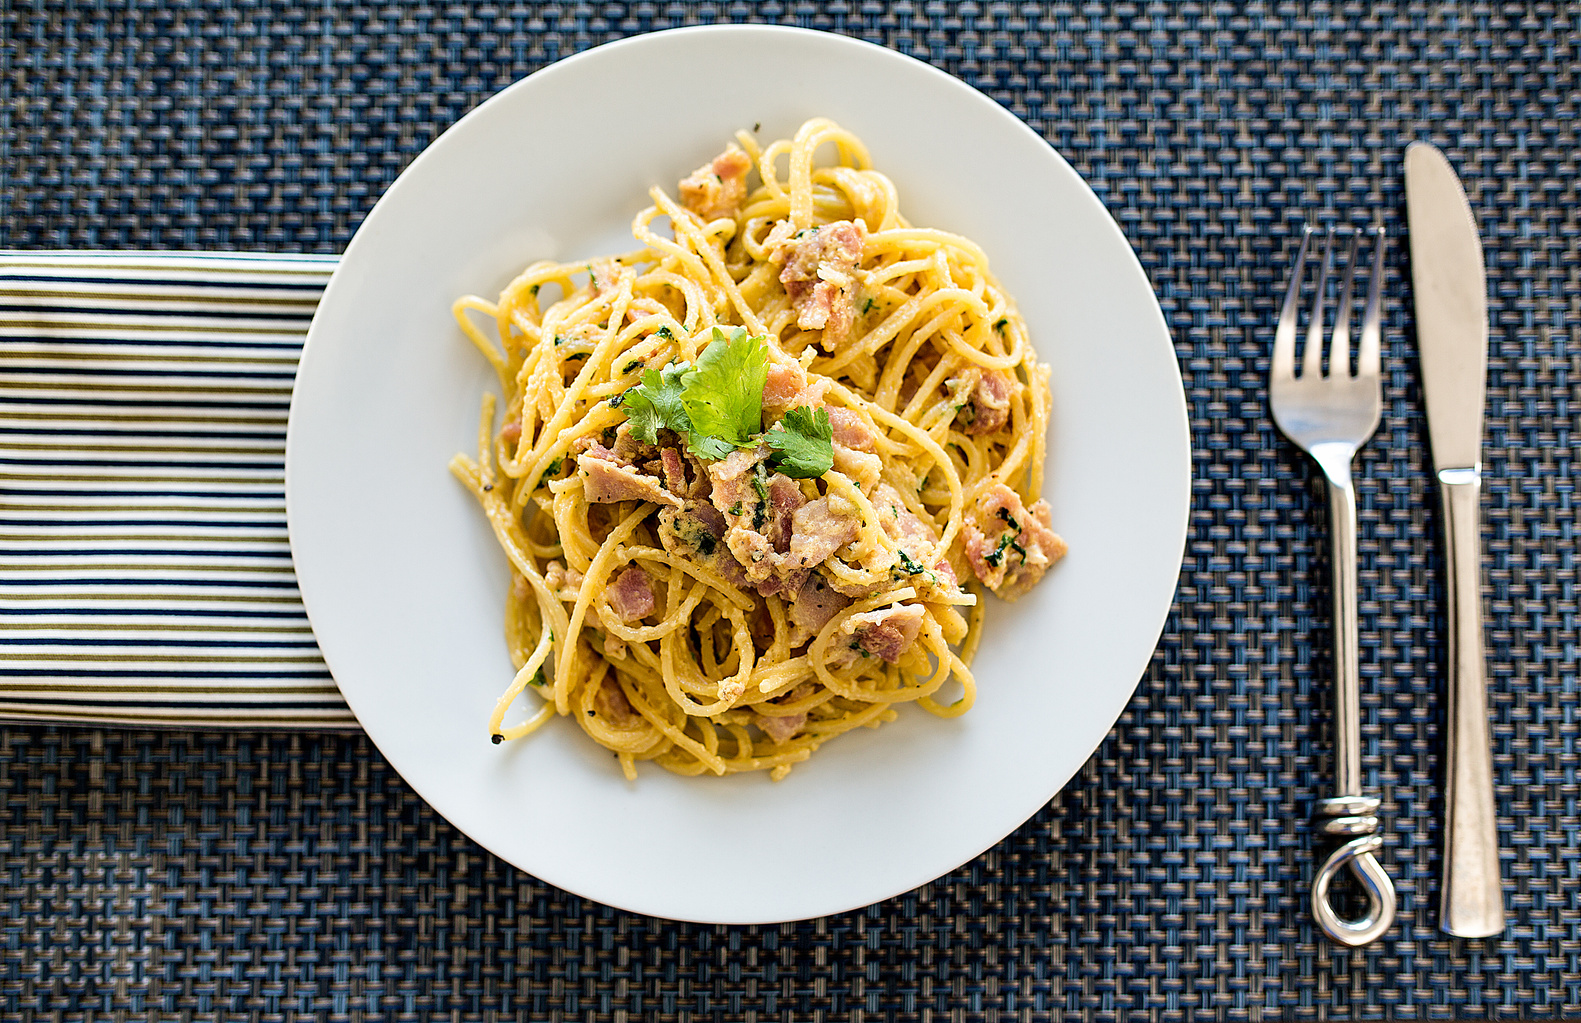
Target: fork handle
x=1348, y=813
x=1472, y=900
x=1347, y=673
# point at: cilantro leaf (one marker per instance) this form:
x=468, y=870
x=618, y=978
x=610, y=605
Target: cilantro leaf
x=655, y=403
x=723, y=393
x=803, y=443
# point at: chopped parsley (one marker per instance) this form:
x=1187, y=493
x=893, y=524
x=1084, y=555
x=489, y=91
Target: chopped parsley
x=911, y=567
x=1007, y=540
x=760, y=514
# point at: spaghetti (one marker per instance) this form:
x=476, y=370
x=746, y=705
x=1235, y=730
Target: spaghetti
x=743, y=470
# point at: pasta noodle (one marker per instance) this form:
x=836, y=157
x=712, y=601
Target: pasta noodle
x=752, y=476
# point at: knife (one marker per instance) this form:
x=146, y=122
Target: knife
x=1451, y=292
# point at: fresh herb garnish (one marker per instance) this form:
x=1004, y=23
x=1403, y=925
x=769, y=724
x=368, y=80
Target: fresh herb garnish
x=803, y=443
x=724, y=393
x=911, y=567
x=655, y=403
x=717, y=405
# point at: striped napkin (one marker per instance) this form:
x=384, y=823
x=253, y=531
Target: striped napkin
x=145, y=576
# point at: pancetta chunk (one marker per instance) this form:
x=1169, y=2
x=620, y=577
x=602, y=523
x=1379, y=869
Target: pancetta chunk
x=606, y=479
x=884, y=633
x=812, y=607
x=1009, y=545
x=987, y=404
x=716, y=188
x=821, y=527
x=819, y=276
x=631, y=595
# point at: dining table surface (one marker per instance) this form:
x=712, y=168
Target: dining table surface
x=264, y=872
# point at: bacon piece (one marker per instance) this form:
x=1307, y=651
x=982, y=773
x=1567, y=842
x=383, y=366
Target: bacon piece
x=717, y=188
x=916, y=537
x=862, y=467
x=812, y=607
x=851, y=429
x=631, y=595
x=987, y=406
x=732, y=478
x=674, y=470
x=785, y=499
x=759, y=509
x=604, y=274
x=767, y=569
x=787, y=388
x=697, y=532
x=628, y=450
x=781, y=386
x=819, y=277
x=1009, y=545
x=821, y=527
x=780, y=727
x=884, y=633
x=929, y=564
x=607, y=480
x=610, y=703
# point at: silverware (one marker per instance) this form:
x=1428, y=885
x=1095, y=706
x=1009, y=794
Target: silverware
x=1330, y=415
x=1452, y=335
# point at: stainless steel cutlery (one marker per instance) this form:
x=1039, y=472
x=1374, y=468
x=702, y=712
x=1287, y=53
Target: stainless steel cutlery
x=1329, y=408
x=1451, y=295
x=1327, y=400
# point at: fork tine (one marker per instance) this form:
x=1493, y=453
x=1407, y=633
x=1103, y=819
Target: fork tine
x=1283, y=365
x=1312, y=357
x=1368, y=361
x=1339, y=341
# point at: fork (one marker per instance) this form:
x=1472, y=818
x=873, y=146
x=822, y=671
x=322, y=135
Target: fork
x=1329, y=413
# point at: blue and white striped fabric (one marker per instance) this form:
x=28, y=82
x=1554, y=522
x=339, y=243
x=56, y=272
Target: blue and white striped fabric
x=145, y=576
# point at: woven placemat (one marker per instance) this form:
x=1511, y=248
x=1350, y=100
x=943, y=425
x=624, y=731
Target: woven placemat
x=169, y=874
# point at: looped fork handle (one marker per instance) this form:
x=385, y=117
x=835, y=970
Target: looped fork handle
x=1357, y=854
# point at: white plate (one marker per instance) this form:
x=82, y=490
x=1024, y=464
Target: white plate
x=405, y=585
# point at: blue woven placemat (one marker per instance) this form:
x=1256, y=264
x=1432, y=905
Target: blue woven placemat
x=268, y=876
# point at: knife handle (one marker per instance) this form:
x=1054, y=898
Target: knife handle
x=1472, y=897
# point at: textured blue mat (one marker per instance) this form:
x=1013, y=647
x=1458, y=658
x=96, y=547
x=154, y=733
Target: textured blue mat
x=158, y=874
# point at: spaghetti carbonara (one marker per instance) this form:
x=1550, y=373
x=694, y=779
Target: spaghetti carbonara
x=743, y=471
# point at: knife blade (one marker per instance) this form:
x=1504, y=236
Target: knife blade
x=1451, y=305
